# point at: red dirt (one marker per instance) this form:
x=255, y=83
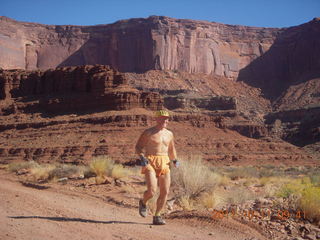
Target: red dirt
x=63, y=212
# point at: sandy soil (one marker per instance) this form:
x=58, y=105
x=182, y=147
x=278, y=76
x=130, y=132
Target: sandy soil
x=58, y=213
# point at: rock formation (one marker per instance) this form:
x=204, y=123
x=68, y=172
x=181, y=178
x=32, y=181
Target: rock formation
x=135, y=45
x=71, y=89
x=216, y=77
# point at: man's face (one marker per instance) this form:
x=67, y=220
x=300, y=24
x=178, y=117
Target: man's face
x=162, y=121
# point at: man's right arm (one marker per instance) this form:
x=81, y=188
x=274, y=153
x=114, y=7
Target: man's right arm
x=141, y=143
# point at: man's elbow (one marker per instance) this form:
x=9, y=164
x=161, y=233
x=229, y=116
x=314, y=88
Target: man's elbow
x=138, y=150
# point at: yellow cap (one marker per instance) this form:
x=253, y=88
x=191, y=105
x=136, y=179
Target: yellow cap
x=162, y=113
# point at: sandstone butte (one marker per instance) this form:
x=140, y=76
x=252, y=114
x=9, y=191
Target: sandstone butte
x=238, y=95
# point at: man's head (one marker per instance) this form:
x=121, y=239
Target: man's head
x=162, y=118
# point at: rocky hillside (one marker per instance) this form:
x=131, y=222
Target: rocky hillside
x=238, y=90
x=72, y=114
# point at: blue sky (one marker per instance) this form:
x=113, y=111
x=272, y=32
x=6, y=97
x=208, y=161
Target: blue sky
x=261, y=13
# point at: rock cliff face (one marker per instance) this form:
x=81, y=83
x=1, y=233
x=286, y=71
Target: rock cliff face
x=261, y=57
x=75, y=89
x=292, y=59
x=135, y=45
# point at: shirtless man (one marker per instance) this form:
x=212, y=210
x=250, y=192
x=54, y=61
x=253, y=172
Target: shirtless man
x=155, y=148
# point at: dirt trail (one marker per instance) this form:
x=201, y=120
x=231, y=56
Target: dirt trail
x=28, y=213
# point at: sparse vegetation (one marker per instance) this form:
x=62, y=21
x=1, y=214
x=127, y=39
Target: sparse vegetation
x=296, y=187
x=310, y=202
x=16, y=166
x=304, y=194
x=100, y=167
x=197, y=183
x=104, y=167
x=42, y=172
x=203, y=187
x=195, y=178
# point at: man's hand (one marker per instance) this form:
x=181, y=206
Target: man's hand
x=176, y=163
x=143, y=161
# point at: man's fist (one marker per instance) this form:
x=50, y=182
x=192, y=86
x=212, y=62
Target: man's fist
x=176, y=163
x=143, y=161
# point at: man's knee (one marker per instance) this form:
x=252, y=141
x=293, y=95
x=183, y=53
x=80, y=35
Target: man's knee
x=152, y=191
x=164, y=192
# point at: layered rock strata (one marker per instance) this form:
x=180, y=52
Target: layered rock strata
x=71, y=89
x=78, y=139
x=135, y=45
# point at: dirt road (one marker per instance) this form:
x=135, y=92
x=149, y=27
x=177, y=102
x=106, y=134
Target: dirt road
x=32, y=214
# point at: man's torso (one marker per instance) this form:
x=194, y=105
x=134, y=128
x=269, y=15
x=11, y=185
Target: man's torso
x=158, y=141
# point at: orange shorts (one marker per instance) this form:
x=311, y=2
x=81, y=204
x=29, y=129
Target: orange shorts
x=158, y=163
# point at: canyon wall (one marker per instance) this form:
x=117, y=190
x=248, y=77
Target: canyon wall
x=259, y=56
x=135, y=45
x=71, y=89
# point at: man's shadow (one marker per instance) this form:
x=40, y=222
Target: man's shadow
x=65, y=219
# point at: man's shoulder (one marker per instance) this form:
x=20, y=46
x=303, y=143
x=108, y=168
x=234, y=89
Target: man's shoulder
x=148, y=131
x=169, y=132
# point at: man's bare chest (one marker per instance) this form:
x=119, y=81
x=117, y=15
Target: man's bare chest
x=159, y=139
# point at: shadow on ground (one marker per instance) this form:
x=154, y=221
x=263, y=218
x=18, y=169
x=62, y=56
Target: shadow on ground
x=65, y=219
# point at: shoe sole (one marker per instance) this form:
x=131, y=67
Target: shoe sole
x=141, y=211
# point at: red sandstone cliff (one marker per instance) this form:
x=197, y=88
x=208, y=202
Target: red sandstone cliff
x=261, y=57
x=135, y=45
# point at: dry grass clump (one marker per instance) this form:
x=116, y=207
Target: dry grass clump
x=104, y=167
x=16, y=166
x=187, y=203
x=101, y=166
x=315, y=179
x=304, y=194
x=118, y=171
x=61, y=171
x=211, y=200
x=194, y=178
x=242, y=172
x=310, y=202
x=196, y=183
x=240, y=195
x=295, y=188
x=42, y=172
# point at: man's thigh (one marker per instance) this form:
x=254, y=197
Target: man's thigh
x=151, y=179
x=164, y=182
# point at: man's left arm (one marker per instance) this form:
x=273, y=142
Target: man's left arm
x=172, y=150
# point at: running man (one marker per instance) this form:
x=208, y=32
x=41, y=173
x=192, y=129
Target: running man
x=155, y=148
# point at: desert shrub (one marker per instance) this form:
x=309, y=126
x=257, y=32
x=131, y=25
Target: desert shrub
x=118, y=171
x=61, y=171
x=310, y=202
x=42, y=172
x=102, y=166
x=243, y=172
x=293, y=188
x=315, y=179
x=16, y=166
x=194, y=178
x=211, y=200
x=187, y=203
x=238, y=195
x=306, y=196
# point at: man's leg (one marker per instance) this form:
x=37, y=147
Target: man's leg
x=164, y=185
x=151, y=181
